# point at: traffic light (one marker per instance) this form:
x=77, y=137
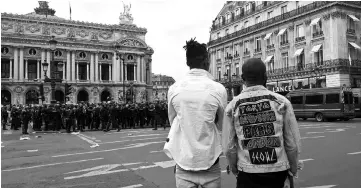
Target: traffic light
x=41, y=89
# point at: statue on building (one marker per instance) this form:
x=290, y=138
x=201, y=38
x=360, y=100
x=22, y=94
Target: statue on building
x=126, y=16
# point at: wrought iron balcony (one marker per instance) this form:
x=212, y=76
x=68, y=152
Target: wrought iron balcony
x=270, y=46
x=236, y=55
x=317, y=34
x=257, y=50
x=300, y=39
x=246, y=52
x=284, y=42
x=277, y=19
x=351, y=31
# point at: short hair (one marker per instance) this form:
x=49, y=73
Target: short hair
x=253, y=70
x=196, y=52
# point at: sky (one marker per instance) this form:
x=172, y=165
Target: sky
x=170, y=23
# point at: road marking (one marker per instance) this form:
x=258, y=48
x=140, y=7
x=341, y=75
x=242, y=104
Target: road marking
x=312, y=137
x=115, y=149
x=103, y=169
x=166, y=164
x=328, y=131
x=93, y=138
x=156, y=151
x=34, y=150
x=133, y=186
x=128, y=164
x=93, y=144
x=354, y=153
x=131, y=140
x=143, y=135
x=304, y=160
x=322, y=186
x=317, y=127
x=53, y=164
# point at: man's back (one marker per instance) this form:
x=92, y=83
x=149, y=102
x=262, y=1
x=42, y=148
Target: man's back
x=193, y=105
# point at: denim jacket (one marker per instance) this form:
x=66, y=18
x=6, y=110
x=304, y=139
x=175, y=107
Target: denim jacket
x=260, y=132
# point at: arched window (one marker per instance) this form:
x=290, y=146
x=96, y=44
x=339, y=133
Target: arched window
x=105, y=56
x=4, y=50
x=32, y=51
x=82, y=55
x=58, y=53
x=130, y=57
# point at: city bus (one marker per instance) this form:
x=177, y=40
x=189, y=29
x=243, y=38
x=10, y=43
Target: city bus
x=323, y=104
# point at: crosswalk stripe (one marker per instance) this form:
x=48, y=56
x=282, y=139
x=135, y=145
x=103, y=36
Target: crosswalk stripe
x=133, y=186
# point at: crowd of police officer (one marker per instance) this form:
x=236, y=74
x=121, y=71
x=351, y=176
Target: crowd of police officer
x=85, y=116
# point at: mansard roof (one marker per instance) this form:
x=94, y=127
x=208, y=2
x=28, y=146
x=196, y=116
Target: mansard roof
x=230, y=6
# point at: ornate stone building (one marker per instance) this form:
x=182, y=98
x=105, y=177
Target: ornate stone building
x=161, y=84
x=304, y=44
x=91, y=64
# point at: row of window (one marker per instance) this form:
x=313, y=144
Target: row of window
x=333, y=98
x=55, y=73
x=58, y=53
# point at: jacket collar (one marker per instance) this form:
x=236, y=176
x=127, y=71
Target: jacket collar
x=200, y=72
x=254, y=88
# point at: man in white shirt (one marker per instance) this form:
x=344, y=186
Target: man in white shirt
x=195, y=108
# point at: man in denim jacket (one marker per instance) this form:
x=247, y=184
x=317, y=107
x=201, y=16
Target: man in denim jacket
x=260, y=135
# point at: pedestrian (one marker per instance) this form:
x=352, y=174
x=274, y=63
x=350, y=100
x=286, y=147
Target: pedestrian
x=194, y=140
x=4, y=117
x=26, y=117
x=260, y=135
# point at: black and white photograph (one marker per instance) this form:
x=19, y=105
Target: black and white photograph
x=180, y=94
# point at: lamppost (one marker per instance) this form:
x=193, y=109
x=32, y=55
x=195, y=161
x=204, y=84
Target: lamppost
x=117, y=48
x=52, y=81
x=230, y=77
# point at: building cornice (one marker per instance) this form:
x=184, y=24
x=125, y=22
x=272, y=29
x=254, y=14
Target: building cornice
x=72, y=23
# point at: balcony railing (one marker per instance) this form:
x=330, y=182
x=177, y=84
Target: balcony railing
x=300, y=39
x=351, y=31
x=279, y=18
x=317, y=34
x=246, y=52
x=257, y=50
x=284, y=42
x=271, y=46
x=314, y=66
x=236, y=55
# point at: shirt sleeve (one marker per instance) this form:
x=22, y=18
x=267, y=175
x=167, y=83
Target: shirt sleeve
x=292, y=138
x=229, y=137
x=221, y=108
x=171, y=111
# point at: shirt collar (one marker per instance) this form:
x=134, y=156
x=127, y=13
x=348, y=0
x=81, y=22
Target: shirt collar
x=200, y=72
x=254, y=88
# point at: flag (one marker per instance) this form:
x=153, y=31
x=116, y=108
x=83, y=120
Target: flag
x=349, y=58
x=70, y=10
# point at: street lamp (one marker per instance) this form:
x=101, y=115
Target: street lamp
x=52, y=81
x=118, y=55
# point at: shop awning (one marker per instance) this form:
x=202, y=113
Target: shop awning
x=281, y=32
x=315, y=21
x=354, y=18
x=268, y=59
x=298, y=52
x=316, y=48
x=354, y=45
x=268, y=36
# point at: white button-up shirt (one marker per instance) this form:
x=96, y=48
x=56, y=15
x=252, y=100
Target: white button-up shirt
x=195, y=107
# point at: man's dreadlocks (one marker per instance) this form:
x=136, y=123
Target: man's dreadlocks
x=195, y=50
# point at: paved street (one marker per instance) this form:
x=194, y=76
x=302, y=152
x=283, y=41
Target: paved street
x=133, y=158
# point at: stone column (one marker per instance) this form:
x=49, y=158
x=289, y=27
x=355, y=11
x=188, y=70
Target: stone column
x=68, y=65
x=73, y=66
x=37, y=69
x=26, y=69
x=100, y=72
x=96, y=67
x=91, y=67
x=77, y=71
x=138, y=69
x=41, y=66
x=65, y=67
x=50, y=65
x=11, y=69
x=121, y=70
x=114, y=67
x=16, y=63
x=87, y=71
x=21, y=62
x=126, y=70
x=135, y=72
x=110, y=72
